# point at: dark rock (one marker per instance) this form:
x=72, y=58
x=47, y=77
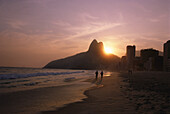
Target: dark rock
x=94, y=58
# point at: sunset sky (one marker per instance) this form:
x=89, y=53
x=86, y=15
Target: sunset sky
x=34, y=32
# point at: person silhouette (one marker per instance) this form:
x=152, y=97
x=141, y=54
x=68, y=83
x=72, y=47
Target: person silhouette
x=96, y=74
x=130, y=72
x=101, y=74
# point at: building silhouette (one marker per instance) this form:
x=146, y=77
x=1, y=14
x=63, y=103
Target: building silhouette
x=167, y=56
x=148, y=53
x=130, y=56
x=151, y=59
x=122, y=64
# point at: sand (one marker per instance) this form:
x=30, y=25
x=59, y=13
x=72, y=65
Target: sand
x=105, y=98
x=120, y=93
x=149, y=91
x=41, y=99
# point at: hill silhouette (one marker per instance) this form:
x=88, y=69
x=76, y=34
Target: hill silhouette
x=94, y=58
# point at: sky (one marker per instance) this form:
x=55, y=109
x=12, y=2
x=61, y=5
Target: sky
x=35, y=32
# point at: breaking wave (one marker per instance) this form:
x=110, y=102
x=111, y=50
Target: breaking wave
x=16, y=76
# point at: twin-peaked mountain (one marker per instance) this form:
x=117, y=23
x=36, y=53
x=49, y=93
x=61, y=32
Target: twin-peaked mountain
x=94, y=58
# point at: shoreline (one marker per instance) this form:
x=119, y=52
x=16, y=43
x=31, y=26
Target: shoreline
x=60, y=109
x=86, y=93
x=41, y=99
x=143, y=92
x=104, y=98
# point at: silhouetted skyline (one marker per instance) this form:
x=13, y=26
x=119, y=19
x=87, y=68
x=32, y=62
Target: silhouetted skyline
x=34, y=32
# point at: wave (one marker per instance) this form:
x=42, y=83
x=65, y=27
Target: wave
x=69, y=79
x=16, y=76
x=31, y=84
x=9, y=82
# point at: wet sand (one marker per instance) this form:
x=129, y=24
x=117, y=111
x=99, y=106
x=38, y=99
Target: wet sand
x=120, y=93
x=106, y=98
x=36, y=100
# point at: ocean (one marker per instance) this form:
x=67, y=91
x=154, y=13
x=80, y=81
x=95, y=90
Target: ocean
x=32, y=90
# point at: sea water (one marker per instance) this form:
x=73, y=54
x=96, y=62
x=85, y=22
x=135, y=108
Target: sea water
x=17, y=79
x=34, y=89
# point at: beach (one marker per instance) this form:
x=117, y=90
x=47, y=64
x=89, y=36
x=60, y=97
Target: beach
x=32, y=90
x=84, y=57
x=116, y=93
x=104, y=98
x=122, y=93
x=41, y=99
x=148, y=91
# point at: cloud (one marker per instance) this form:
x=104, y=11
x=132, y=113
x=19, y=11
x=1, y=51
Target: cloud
x=159, y=18
x=58, y=28
x=16, y=24
x=93, y=28
x=154, y=20
x=60, y=23
x=141, y=7
x=89, y=24
x=87, y=17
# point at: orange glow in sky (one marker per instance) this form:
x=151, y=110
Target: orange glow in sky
x=35, y=32
x=108, y=50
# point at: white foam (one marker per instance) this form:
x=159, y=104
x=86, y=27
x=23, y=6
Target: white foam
x=16, y=76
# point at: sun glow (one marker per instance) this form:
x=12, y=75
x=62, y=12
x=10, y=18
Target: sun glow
x=108, y=50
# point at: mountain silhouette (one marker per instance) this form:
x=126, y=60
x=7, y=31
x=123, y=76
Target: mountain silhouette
x=94, y=58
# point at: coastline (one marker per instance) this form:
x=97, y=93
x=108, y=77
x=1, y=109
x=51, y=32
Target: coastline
x=41, y=99
x=141, y=92
x=104, y=98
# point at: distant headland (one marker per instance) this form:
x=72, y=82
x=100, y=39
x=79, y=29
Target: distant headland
x=94, y=58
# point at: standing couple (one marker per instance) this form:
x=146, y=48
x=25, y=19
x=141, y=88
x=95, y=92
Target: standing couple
x=100, y=74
